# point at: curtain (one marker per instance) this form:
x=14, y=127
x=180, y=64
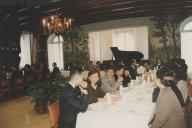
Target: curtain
x=124, y=39
x=55, y=52
x=34, y=50
x=25, y=44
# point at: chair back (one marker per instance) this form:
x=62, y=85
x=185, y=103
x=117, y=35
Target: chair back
x=54, y=114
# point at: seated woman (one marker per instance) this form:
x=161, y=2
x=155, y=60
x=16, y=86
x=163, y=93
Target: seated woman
x=169, y=106
x=108, y=82
x=94, y=90
x=122, y=76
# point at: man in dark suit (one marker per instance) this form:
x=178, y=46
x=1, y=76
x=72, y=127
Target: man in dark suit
x=133, y=70
x=55, y=71
x=73, y=99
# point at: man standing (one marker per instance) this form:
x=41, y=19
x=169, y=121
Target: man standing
x=55, y=71
x=73, y=99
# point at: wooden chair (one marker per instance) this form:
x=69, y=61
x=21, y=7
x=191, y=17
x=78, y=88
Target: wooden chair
x=19, y=83
x=54, y=114
x=28, y=80
x=5, y=89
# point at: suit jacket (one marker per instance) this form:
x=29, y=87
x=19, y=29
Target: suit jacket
x=168, y=112
x=109, y=86
x=133, y=73
x=71, y=103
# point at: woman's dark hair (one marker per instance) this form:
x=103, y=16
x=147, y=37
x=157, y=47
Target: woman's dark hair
x=119, y=67
x=180, y=74
x=165, y=71
x=74, y=71
x=91, y=72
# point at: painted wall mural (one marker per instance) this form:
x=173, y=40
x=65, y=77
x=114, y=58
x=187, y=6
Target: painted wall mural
x=167, y=30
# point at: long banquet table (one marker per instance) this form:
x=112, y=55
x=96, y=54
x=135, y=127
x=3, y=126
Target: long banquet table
x=132, y=110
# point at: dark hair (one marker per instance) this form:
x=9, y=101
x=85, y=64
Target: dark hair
x=91, y=72
x=109, y=67
x=165, y=71
x=74, y=71
x=119, y=67
x=180, y=74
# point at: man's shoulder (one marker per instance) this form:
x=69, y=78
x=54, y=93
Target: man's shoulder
x=66, y=91
x=66, y=87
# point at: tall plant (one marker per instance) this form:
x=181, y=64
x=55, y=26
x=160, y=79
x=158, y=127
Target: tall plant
x=167, y=30
x=76, y=45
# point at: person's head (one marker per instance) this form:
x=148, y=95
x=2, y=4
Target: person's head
x=76, y=76
x=90, y=62
x=166, y=76
x=145, y=64
x=54, y=64
x=159, y=61
x=120, y=70
x=98, y=62
x=181, y=64
x=180, y=74
x=93, y=76
x=110, y=72
x=135, y=61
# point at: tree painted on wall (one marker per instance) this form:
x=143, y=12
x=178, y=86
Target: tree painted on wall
x=167, y=30
x=76, y=46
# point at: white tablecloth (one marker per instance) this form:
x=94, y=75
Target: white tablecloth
x=131, y=111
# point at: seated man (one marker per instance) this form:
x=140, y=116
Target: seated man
x=73, y=99
x=120, y=75
x=108, y=82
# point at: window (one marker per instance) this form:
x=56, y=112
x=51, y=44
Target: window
x=55, y=51
x=25, y=44
x=186, y=44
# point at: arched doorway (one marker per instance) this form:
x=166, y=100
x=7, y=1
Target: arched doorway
x=55, y=51
x=186, y=42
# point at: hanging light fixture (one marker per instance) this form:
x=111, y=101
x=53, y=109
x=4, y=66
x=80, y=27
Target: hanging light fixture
x=55, y=24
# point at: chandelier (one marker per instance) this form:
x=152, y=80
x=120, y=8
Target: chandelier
x=55, y=24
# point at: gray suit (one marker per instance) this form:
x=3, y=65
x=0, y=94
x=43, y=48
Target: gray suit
x=168, y=111
x=109, y=86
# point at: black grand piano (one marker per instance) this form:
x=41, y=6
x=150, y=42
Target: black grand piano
x=126, y=56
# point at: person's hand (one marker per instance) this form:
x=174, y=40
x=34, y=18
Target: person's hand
x=83, y=87
x=84, y=91
x=84, y=84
